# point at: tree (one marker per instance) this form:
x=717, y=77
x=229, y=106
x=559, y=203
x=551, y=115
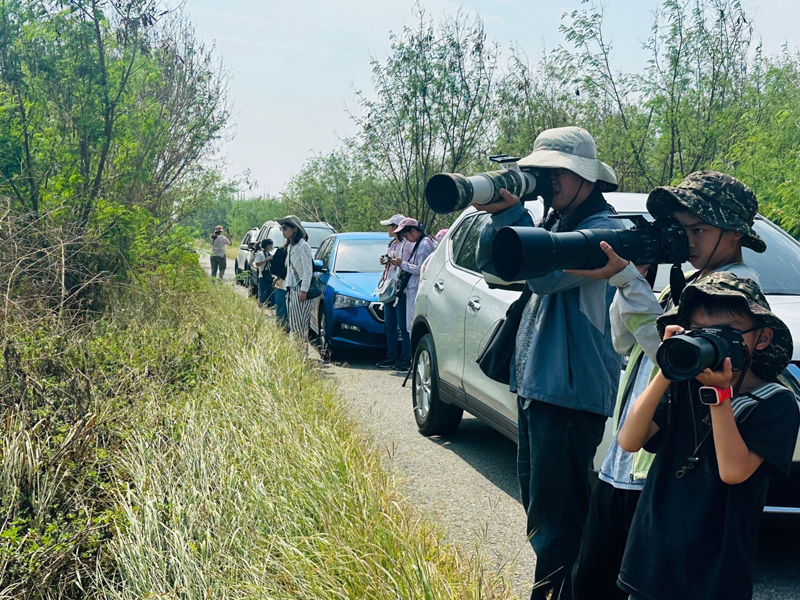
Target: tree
x=431, y=109
x=339, y=189
x=103, y=99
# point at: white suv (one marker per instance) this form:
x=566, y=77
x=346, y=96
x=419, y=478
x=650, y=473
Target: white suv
x=245, y=256
x=456, y=310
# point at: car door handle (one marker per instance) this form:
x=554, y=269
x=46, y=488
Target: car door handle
x=439, y=285
x=474, y=303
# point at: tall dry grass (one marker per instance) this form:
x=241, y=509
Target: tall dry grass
x=256, y=485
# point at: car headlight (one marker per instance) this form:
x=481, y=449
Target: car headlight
x=340, y=301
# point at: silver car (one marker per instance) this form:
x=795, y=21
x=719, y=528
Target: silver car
x=456, y=310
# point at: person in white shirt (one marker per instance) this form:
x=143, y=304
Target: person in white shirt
x=219, y=259
x=418, y=247
x=299, y=270
x=394, y=313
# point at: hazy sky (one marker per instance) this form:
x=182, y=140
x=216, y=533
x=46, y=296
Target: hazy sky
x=294, y=65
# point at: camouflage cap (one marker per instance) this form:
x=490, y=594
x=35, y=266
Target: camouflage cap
x=719, y=199
x=767, y=363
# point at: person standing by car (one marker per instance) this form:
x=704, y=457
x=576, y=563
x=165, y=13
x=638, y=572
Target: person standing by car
x=418, y=247
x=262, y=260
x=277, y=267
x=565, y=370
x=394, y=313
x=219, y=258
x=299, y=270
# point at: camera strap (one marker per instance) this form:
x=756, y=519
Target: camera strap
x=677, y=281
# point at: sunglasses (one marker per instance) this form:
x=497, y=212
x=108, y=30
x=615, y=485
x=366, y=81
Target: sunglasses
x=285, y=227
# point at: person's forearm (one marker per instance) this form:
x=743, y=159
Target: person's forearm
x=736, y=462
x=639, y=426
x=636, y=309
x=410, y=268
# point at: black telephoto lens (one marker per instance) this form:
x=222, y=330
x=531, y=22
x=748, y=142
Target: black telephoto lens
x=529, y=252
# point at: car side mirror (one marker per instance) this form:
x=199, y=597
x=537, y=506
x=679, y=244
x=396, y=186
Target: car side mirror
x=319, y=267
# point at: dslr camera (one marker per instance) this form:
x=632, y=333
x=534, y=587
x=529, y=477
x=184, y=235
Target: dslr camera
x=686, y=355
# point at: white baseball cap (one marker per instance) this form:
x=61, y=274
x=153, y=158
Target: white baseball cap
x=393, y=220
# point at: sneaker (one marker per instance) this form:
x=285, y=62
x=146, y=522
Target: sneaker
x=402, y=366
x=386, y=364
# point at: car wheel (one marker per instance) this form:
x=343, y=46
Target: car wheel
x=323, y=337
x=245, y=270
x=433, y=416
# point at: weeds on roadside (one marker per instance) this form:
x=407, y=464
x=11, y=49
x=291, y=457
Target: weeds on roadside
x=256, y=485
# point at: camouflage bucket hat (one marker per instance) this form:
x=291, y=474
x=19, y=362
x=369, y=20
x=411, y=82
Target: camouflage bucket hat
x=719, y=199
x=767, y=363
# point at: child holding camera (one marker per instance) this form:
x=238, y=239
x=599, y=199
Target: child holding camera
x=717, y=440
x=261, y=261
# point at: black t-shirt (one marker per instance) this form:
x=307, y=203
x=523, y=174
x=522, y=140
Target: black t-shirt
x=694, y=537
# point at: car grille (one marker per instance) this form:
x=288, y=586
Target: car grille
x=376, y=308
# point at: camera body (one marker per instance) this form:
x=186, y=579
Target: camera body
x=530, y=252
x=686, y=355
x=450, y=192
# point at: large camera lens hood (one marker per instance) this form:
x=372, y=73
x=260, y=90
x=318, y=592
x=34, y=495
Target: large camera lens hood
x=523, y=253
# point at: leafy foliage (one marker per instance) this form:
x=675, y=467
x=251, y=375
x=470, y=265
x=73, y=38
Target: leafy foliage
x=707, y=99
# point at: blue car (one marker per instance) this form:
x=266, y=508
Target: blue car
x=348, y=315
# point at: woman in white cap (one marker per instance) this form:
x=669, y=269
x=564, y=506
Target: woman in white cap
x=394, y=313
x=565, y=370
x=418, y=247
x=299, y=270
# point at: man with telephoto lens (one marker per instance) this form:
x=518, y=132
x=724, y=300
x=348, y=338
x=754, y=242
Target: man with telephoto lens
x=716, y=211
x=565, y=370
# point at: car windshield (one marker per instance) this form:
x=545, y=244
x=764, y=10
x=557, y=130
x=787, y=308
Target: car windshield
x=276, y=235
x=359, y=256
x=778, y=268
x=316, y=235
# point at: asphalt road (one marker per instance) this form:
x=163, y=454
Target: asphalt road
x=467, y=482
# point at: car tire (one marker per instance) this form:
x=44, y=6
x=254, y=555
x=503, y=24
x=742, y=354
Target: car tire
x=326, y=350
x=433, y=416
x=247, y=270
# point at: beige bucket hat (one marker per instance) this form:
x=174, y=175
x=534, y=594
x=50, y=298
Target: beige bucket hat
x=571, y=148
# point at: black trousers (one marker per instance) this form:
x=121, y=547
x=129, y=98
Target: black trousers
x=605, y=534
x=556, y=447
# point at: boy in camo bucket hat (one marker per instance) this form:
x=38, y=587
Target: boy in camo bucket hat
x=717, y=198
x=768, y=362
x=716, y=449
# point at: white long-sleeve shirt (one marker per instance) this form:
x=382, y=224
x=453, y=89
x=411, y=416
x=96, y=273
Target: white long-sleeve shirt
x=218, y=245
x=299, y=266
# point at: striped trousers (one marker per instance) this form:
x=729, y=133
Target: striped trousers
x=299, y=314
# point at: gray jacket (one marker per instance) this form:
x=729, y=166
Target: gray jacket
x=564, y=353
